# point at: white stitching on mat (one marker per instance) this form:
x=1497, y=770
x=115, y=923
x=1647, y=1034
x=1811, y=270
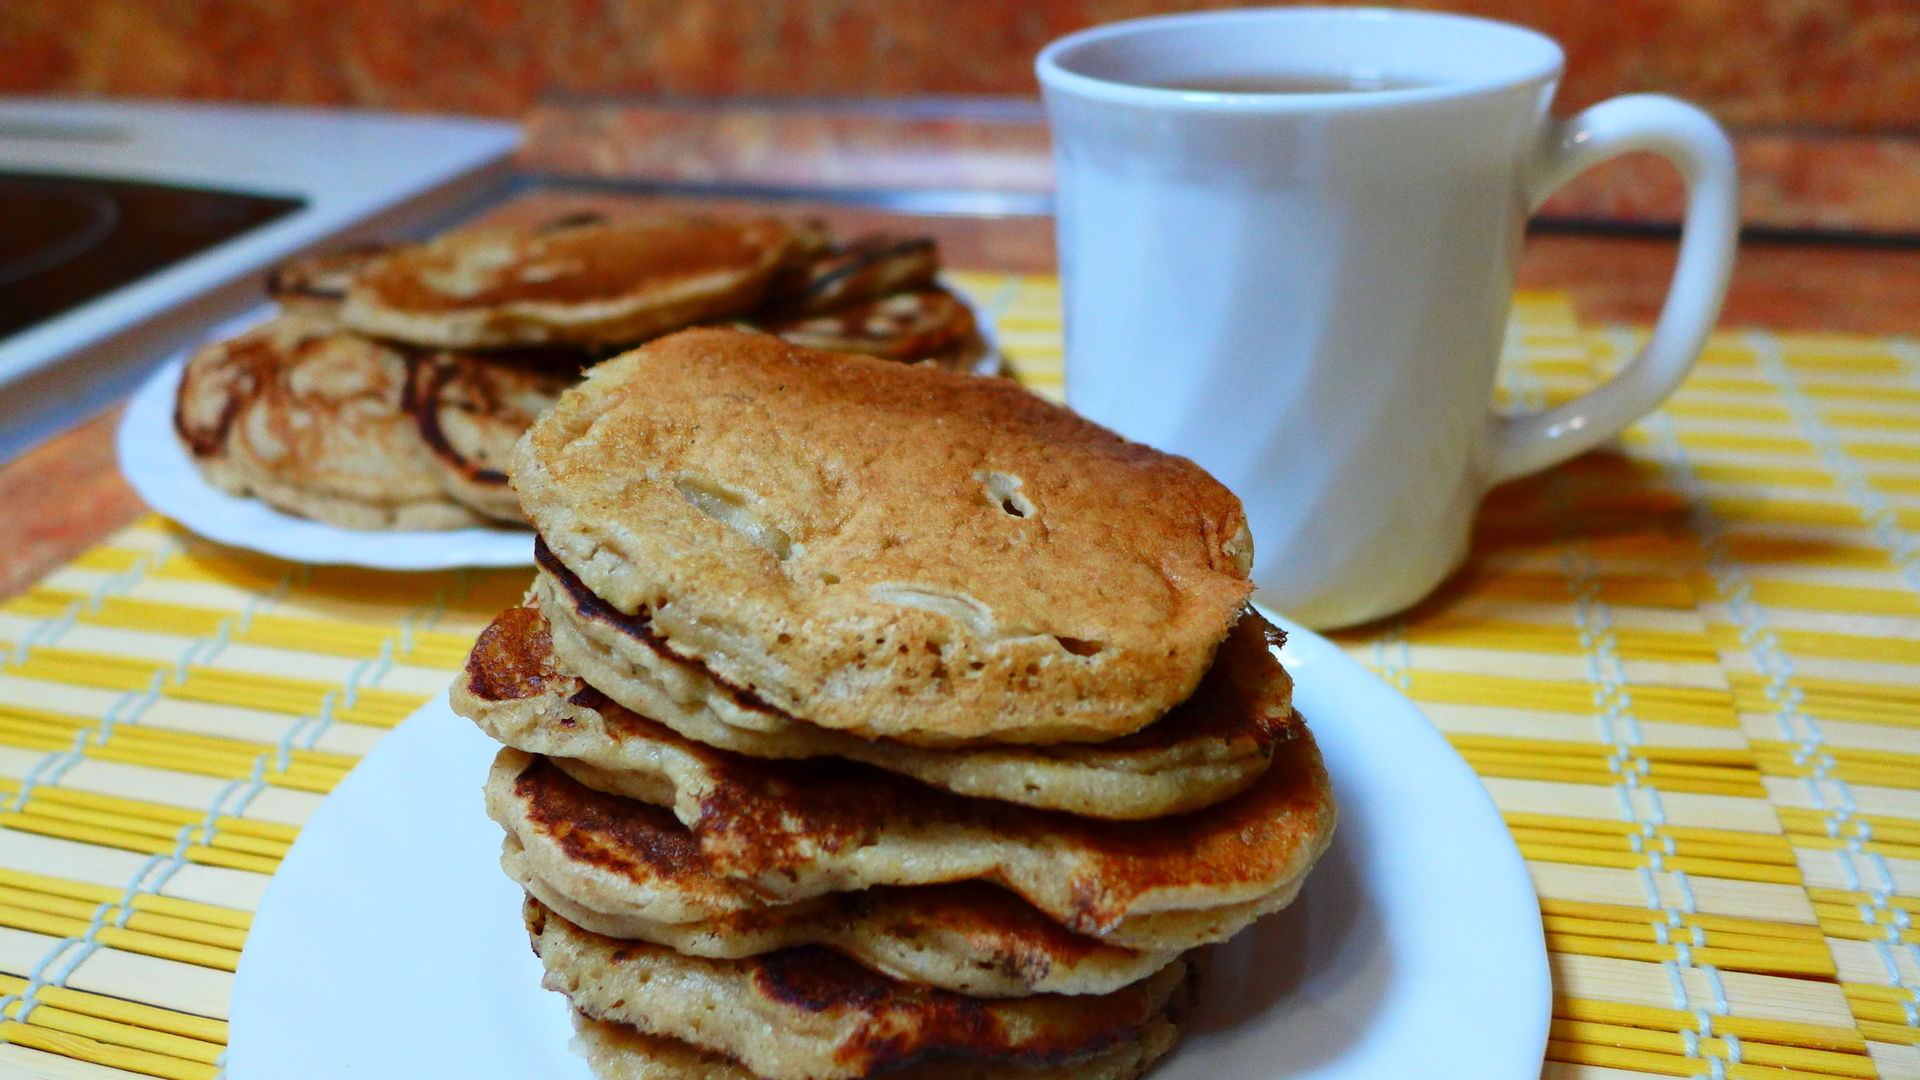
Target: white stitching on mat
x=1655, y=901
x=27, y=997
x=1685, y=885
x=1619, y=727
x=1903, y=549
x=51, y=629
x=1882, y=518
x=1764, y=647
x=1391, y=657
x=1677, y=984
x=378, y=666
x=67, y=954
x=49, y=769
x=133, y=889
x=58, y=762
x=259, y=602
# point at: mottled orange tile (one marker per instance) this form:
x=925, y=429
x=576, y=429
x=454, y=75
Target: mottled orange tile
x=790, y=147
x=1796, y=181
x=1802, y=181
x=60, y=498
x=1848, y=63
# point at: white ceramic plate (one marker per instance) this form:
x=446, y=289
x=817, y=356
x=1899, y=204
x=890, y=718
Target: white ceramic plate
x=159, y=469
x=390, y=944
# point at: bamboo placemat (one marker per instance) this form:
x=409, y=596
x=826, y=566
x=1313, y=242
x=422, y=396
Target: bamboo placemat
x=1688, y=671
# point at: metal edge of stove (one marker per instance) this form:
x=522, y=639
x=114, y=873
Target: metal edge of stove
x=958, y=202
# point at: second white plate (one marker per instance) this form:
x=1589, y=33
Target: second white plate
x=390, y=944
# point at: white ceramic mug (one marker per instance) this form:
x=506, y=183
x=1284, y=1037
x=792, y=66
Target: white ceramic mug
x=1307, y=293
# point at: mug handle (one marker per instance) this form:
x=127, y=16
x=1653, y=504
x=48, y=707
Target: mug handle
x=1691, y=140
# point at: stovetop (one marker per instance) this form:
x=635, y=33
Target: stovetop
x=65, y=240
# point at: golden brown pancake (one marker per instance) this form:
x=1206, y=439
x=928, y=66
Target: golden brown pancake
x=620, y=1052
x=314, y=422
x=472, y=407
x=812, y=1014
x=631, y=870
x=830, y=276
x=582, y=280
x=316, y=285
x=926, y=324
x=1208, y=748
x=891, y=550
x=795, y=830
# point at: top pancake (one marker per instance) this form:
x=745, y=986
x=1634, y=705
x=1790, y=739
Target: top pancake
x=896, y=551
x=583, y=280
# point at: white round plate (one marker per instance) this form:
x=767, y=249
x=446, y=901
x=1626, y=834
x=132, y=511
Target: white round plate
x=159, y=469
x=390, y=944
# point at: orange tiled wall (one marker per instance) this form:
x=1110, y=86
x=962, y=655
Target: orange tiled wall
x=1845, y=63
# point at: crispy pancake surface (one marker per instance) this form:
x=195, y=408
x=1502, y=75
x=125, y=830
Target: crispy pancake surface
x=928, y=323
x=313, y=421
x=827, y=276
x=630, y=870
x=799, y=829
x=316, y=285
x=620, y=1052
x=795, y=830
x=893, y=550
x=584, y=280
x=1209, y=748
x=471, y=407
x=812, y=1014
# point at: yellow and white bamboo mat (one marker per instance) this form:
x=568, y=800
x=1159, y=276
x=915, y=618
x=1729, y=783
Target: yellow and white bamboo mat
x=1688, y=670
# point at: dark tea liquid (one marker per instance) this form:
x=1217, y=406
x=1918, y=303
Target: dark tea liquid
x=1289, y=84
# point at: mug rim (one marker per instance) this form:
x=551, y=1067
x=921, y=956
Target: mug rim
x=1055, y=75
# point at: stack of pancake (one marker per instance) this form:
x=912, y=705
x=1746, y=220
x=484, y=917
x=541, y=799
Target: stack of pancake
x=391, y=388
x=868, y=717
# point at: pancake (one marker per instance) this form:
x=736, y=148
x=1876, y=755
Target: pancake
x=812, y=1014
x=891, y=550
x=316, y=285
x=582, y=280
x=471, y=408
x=832, y=276
x=795, y=830
x=313, y=421
x=630, y=870
x=926, y=324
x=1209, y=748
x=619, y=1052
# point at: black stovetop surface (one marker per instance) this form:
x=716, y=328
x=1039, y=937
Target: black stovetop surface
x=65, y=240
